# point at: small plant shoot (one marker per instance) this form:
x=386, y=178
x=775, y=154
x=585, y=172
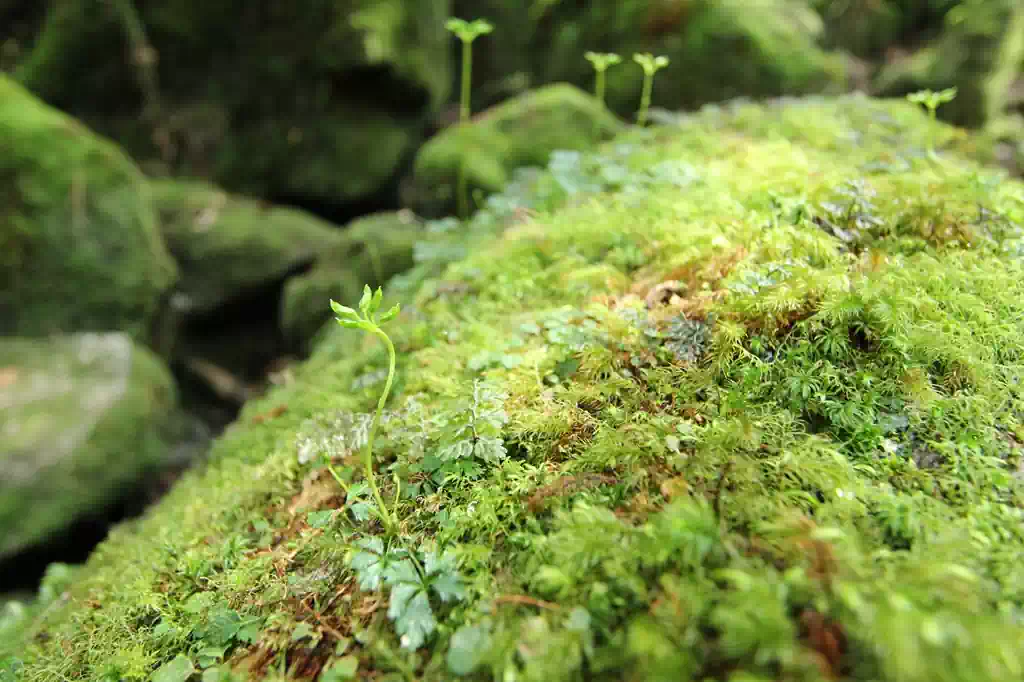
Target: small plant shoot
x=651, y=66
x=467, y=32
x=931, y=101
x=601, y=61
x=367, y=319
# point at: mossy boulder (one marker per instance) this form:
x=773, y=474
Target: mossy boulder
x=79, y=246
x=319, y=102
x=371, y=251
x=719, y=49
x=868, y=28
x=759, y=417
x=83, y=418
x=227, y=246
x=979, y=52
x=520, y=132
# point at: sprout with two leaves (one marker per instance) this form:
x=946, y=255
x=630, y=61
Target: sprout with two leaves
x=931, y=101
x=651, y=65
x=601, y=61
x=467, y=32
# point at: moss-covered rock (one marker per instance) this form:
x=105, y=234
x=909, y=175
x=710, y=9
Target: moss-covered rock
x=520, y=132
x=79, y=247
x=371, y=251
x=319, y=102
x=719, y=49
x=228, y=245
x=979, y=52
x=870, y=27
x=748, y=406
x=83, y=418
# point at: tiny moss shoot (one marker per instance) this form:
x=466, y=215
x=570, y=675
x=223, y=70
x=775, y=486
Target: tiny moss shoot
x=931, y=101
x=366, y=318
x=651, y=65
x=601, y=61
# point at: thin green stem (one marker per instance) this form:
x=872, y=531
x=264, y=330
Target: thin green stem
x=337, y=477
x=467, y=79
x=645, y=99
x=600, y=86
x=390, y=524
x=462, y=192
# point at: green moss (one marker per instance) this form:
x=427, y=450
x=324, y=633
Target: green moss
x=978, y=52
x=359, y=80
x=760, y=418
x=522, y=131
x=371, y=250
x=83, y=417
x=227, y=245
x=80, y=249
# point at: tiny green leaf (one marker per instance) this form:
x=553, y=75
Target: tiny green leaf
x=179, y=669
x=375, y=302
x=344, y=668
x=650, y=64
x=456, y=25
x=350, y=324
x=342, y=310
x=303, y=631
x=468, y=31
x=467, y=649
x=320, y=519
x=391, y=314
x=603, y=60
x=414, y=620
x=364, y=302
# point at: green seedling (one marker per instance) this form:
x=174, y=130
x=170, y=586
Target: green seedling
x=366, y=318
x=651, y=65
x=601, y=61
x=467, y=32
x=931, y=101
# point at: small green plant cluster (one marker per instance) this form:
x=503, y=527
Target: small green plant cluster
x=468, y=31
x=648, y=62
